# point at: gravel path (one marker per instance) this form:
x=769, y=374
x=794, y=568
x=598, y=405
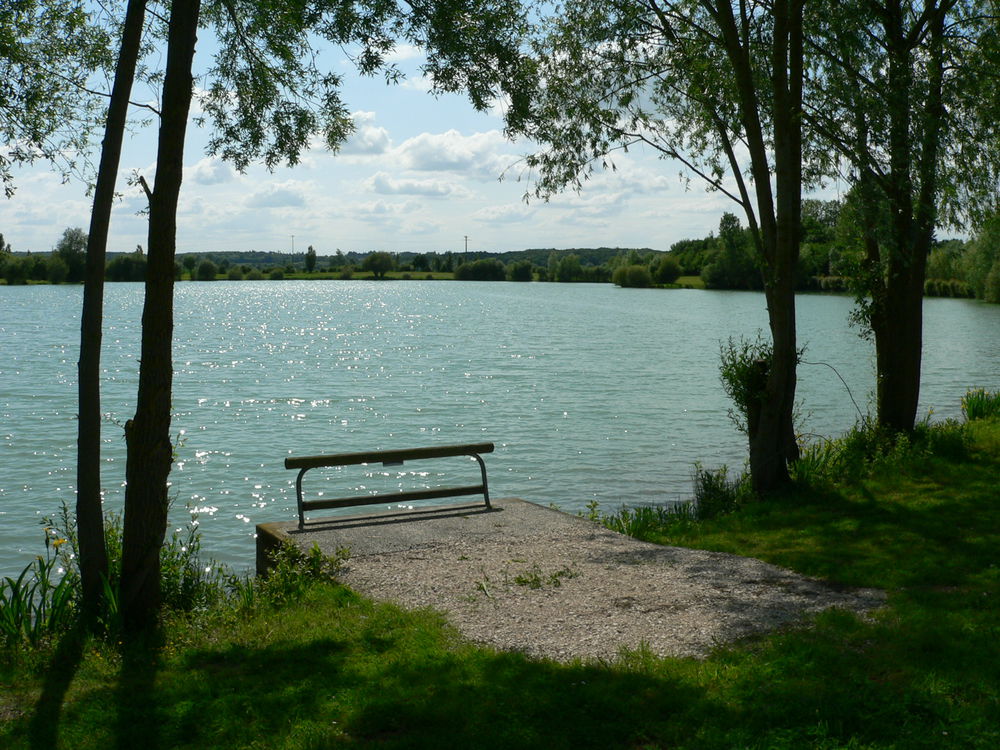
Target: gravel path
x=580, y=590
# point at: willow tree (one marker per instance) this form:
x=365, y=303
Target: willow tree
x=717, y=87
x=49, y=49
x=906, y=97
x=267, y=98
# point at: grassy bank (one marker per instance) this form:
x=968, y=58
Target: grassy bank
x=330, y=669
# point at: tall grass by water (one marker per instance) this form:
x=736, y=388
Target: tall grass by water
x=979, y=403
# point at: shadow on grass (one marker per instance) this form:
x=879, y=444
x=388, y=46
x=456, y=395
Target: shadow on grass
x=324, y=693
x=945, y=532
x=44, y=724
x=139, y=710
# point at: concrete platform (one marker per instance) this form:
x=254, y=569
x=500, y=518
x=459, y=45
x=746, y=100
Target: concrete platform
x=379, y=533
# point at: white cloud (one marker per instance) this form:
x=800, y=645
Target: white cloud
x=420, y=226
x=484, y=155
x=504, y=213
x=385, y=184
x=402, y=52
x=367, y=139
x=278, y=195
x=380, y=210
x=591, y=204
x=211, y=171
x=424, y=84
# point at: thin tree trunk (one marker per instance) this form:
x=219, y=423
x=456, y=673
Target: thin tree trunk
x=772, y=444
x=150, y=452
x=89, y=513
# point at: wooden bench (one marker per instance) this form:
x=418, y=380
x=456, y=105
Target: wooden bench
x=388, y=458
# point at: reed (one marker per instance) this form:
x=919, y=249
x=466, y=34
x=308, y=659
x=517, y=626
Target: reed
x=978, y=403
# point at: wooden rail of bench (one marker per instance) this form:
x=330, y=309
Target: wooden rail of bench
x=388, y=458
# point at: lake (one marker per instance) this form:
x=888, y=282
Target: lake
x=590, y=392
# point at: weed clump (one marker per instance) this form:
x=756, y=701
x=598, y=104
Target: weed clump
x=978, y=403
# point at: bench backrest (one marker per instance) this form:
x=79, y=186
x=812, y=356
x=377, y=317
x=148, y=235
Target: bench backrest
x=389, y=458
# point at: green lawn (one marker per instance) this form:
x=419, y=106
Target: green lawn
x=336, y=670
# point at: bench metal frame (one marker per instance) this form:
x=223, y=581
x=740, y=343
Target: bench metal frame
x=389, y=458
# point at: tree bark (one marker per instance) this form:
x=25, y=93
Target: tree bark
x=150, y=452
x=772, y=444
x=89, y=512
x=898, y=322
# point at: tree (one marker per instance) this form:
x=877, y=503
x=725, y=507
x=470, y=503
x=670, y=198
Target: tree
x=697, y=84
x=48, y=51
x=310, y=260
x=147, y=437
x=89, y=513
x=733, y=266
x=906, y=99
x=379, y=263
x=71, y=249
x=981, y=262
x=568, y=268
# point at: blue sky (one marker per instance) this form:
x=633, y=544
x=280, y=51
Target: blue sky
x=420, y=174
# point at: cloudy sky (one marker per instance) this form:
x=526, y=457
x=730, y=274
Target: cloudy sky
x=419, y=174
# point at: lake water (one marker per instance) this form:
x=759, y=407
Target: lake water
x=590, y=392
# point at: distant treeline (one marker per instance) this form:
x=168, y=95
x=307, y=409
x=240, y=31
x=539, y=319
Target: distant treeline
x=832, y=253
x=830, y=257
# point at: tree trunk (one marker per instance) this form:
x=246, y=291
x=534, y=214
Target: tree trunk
x=89, y=513
x=772, y=444
x=899, y=330
x=150, y=452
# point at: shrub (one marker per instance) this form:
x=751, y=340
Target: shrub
x=234, y=273
x=520, y=271
x=254, y=275
x=14, y=269
x=130, y=267
x=276, y=274
x=289, y=573
x=484, y=269
x=636, y=276
x=207, y=271
x=668, y=270
x=991, y=291
x=347, y=273
x=868, y=448
x=743, y=368
x=715, y=494
x=58, y=271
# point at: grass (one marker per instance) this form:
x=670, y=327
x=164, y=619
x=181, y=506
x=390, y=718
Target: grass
x=690, y=282
x=330, y=669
